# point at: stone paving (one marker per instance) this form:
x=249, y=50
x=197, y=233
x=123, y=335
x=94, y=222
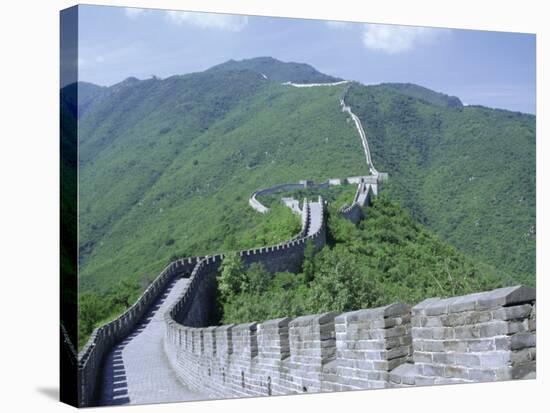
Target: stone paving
x=136, y=371
x=316, y=219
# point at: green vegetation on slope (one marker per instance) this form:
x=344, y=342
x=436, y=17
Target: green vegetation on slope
x=337, y=195
x=167, y=167
x=96, y=309
x=422, y=93
x=467, y=173
x=388, y=258
x=276, y=70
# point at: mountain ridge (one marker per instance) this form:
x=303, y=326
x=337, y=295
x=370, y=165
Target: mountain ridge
x=167, y=166
x=297, y=73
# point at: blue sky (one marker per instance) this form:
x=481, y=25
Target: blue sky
x=494, y=69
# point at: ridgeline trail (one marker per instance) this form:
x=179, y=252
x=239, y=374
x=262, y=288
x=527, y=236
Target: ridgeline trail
x=117, y=368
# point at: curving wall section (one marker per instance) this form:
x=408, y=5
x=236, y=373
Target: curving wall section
x=104, y=337
x=363, y=196
x=197, y=306
x=258, y=206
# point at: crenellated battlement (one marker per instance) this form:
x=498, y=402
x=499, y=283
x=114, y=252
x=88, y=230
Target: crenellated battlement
x=197, y=305
x=104, y=337
x=479, y=337
x=366, y=189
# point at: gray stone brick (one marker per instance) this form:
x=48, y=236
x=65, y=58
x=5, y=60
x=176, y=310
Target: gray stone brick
x=437, y=308
x=431, y=370
x=518, y=326
x=524, y=370
x=482, y=375
x=431, y=322
x=522, y=356
x=467, y=360
x=506, y=297
x=424, y=381
x=495, y=328
x=482, y=344
x=512, y=313
x=457, y=372
x=523, y=340
x=433, y=345
x=420, y=307
x=503, y=343
x=444, y=358
x=455, y=345
x=495, y=359
x=421, y=333
x=443, y=333
x=423, y=357
x=467, y=332
x=464, y=303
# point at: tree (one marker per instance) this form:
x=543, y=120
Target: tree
x=122, y=295
x=90, y=311
x=256, y=280
x=231, y=276
x=338, y=284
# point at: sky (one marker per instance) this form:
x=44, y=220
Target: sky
x=495, y=69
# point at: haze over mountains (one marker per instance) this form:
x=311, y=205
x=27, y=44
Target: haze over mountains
x=167, y=165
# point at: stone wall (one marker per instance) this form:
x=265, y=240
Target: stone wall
x=480, y=337
x=363, y=196
x=258, y=206
x=104, y=337
x=303, y=184
x=198, y=304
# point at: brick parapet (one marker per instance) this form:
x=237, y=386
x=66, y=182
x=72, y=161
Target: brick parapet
x=492, y=338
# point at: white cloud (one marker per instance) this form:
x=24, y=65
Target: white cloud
x=208, y=20
x=339, y=25
x=396, y=39
x=134, y=12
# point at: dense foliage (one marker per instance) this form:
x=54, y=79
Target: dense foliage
x=422, y=93
x=166, y=167
x=388, y=258
x=468, y=173
x=276, y=70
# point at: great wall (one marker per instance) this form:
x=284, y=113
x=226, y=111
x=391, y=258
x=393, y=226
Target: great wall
x=167, y=346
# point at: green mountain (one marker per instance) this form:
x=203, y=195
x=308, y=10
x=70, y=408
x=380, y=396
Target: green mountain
x=276, y=70
x=422, y=93
x=166, y=167
x=468, y=173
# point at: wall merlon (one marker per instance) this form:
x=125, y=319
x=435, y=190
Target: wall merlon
x=388, y=346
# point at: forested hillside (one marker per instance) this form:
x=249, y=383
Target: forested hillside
x=468, y=173
x=167, y=166
x=276, y=70
x=387, y=258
